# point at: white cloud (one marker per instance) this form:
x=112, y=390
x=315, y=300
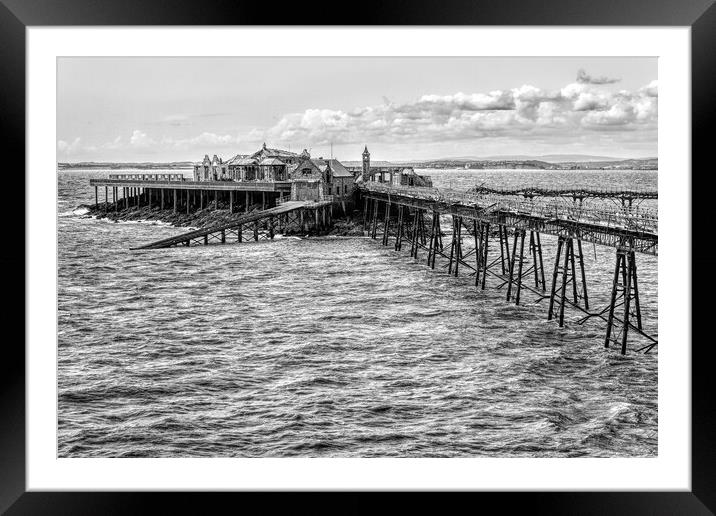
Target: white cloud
x=68, y=149
x=584, y=77
x=572, y=113
x=651, y=89
x=526, y=110
x=140, y=139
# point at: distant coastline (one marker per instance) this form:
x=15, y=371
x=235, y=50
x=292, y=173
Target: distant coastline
x=138, y=165
x=460, y=163
x=626, y=164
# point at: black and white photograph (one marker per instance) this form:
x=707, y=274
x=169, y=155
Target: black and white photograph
x=357, y=257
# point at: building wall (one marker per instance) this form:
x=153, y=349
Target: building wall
x=307, y=171
x=341, y=187
x=210, y=172
x=306, y=190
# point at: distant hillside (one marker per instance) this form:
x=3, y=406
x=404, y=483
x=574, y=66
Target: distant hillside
x=464, y=163
x=549, y=158
x=142, y=166
x=624, y=164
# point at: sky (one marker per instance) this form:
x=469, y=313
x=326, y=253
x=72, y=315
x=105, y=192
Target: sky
x=403, y=108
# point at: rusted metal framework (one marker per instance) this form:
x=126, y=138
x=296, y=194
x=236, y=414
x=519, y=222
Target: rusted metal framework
x=518, y=263
x=255, y=225
x=597, y=225
x=572, y=193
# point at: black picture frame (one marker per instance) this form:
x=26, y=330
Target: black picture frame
x=16, y=15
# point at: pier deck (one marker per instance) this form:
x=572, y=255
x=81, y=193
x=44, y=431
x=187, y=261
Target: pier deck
x=626, y=226
x=236, y=186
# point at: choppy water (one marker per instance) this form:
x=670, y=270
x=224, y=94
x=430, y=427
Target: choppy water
x=332, y=347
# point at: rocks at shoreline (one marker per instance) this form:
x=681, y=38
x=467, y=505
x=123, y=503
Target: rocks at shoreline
x=198, y=219
x=347, y=227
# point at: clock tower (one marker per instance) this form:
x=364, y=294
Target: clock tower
x=366, y=164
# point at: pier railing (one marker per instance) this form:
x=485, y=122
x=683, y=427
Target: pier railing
x=131, y=180
x=149, y=177
x=606, y=192
x=634, y=220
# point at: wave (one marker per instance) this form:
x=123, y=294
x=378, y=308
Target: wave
x=75, y=212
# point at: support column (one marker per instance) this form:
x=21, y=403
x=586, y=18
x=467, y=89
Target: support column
x=452, y=246
x=486, y=242
x=624, y=285
x=502, y=249
x=567, y=252
x=399, y=228
x=541, y=262
x=366, y=201
x=637, y=304
x=512, y=267
x=96, y=198
x=414, y=246
x=560, y=243
x=231, y=201
x=538, y=265
x=478, y=249
x=458, y=243
x=615, y=282
x=162, y=196
x=431, y=244
x=575, y=294
x=519, y=267
x=438, y=238
x=584, y=277
x=175, y=200
x=375, y=218
x=627, y=300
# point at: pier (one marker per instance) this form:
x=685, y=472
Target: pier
x=494, y=234
x=179, y=194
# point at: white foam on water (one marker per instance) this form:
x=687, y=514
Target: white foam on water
x=76, y=212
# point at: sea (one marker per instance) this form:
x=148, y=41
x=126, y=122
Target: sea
x=336, y=346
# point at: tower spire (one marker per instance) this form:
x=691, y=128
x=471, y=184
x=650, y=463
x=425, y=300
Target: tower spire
x=366, y=164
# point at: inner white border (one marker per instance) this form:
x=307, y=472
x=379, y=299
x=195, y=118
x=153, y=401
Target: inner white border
x=671, y=470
